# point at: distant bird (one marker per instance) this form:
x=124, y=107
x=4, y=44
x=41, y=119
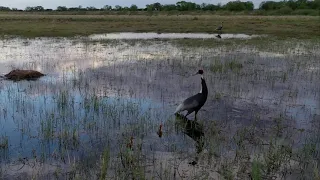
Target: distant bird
x=220, y=27
x=159, y=132
x=195, y=102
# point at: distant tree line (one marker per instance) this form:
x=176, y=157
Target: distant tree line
x=189, y=6
x=294, y=5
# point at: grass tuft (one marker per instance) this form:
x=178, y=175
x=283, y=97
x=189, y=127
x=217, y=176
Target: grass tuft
x=256, y=170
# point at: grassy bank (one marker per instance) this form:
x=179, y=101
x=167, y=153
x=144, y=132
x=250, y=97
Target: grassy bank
x=35, y=25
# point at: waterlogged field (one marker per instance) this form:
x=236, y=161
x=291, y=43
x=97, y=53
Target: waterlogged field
x=96, y=114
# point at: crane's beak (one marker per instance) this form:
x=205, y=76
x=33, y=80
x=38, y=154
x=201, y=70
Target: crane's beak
x=195, y=74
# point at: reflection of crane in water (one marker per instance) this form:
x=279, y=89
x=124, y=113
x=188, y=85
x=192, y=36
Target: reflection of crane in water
x=192, y=129
x=195, y=102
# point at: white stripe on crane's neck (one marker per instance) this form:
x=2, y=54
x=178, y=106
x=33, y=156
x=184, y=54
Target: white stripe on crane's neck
x=201, y=84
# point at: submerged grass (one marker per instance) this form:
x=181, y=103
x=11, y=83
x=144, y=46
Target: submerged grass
x=35, y=25
x=256, y=170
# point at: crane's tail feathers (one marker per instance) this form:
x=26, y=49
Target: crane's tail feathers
x=179, y=108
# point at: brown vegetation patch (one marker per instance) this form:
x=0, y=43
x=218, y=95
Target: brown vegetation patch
x=19, y=74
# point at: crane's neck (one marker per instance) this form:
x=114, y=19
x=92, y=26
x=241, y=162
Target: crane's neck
x=204, y=89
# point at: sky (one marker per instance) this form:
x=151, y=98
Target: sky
x=52, y=4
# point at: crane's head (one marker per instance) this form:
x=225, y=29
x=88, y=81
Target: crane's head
x=199, y=72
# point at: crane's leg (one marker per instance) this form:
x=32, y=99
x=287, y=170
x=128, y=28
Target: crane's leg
x=195, y=115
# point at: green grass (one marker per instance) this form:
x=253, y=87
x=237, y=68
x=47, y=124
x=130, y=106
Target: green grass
x=233, y=65
x=104, y=164
x=35, y=25
x=256, y=170
x=226, y=172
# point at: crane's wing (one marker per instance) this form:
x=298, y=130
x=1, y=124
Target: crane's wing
x=189, y=103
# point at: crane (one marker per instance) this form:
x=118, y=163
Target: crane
x=195, y=102
x=220, y=27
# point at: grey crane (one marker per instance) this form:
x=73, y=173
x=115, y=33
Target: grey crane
x=195, y=102
x=220, y=27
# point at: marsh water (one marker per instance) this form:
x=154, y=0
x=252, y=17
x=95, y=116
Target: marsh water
x=97, y=94
x=169, y=36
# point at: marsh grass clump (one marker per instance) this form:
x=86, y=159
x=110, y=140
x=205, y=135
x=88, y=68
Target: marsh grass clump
x=234, y=65
x=284, y=77
x=47, y=129
x=240, y=139
x=95, y=102
x=226, y=171
x=69, y=139
x=316, y=171
x=256, y=173
x=279, y=125
x=308, y=157
x=219, y=67
x=214, y=140
x=132, y=160
x=276, y=156
x=217, y=96
x=63, y=98
x=105, y=159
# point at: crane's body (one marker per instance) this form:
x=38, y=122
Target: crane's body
x=220, y=27
x=195, y=102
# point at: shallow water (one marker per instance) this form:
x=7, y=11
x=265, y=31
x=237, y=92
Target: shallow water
x=97, y=93
x=130, y=35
